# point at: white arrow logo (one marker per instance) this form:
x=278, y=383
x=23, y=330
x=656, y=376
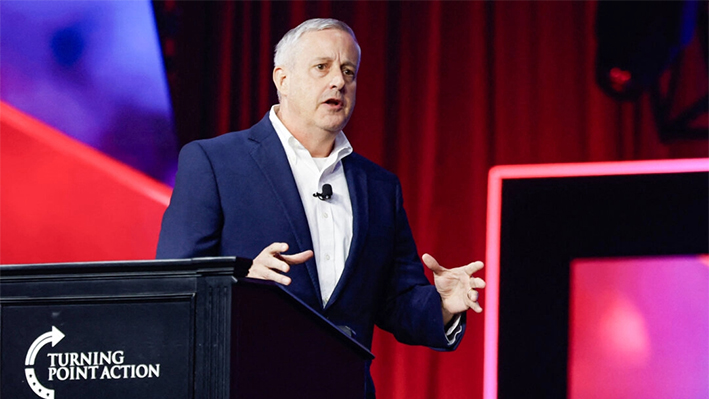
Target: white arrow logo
x=54, y=337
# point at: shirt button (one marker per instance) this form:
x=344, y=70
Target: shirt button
x=327, y=257
x=324, y=215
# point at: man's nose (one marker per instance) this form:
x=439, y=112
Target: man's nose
x=337, y=81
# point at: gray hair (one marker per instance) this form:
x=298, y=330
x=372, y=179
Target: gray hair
x=285, y=49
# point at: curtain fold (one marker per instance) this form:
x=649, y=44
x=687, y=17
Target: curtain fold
x=446, y=90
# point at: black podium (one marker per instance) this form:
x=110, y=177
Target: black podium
x=166, y=329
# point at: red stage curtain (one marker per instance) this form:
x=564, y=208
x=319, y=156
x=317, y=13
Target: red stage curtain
x=446, y=90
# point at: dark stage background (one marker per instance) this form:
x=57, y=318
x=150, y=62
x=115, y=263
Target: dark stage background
x=446, y=90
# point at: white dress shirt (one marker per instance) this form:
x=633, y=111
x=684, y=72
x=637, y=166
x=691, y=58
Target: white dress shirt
x=330, y=221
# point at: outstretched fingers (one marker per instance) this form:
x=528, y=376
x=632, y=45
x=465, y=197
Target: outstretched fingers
x=432, y=263
x=298, y=258
x=270, y=274
x=477, y=283
x=473, y=267
x=270, y=263
x=472, y=301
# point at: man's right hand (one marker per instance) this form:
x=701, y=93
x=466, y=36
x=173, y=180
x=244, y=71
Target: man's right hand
x=270, y=262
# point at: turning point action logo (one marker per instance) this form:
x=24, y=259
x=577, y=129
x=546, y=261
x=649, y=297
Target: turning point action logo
x=81, y=365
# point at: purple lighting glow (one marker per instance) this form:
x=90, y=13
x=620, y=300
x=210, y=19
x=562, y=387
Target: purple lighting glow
x=93, y=70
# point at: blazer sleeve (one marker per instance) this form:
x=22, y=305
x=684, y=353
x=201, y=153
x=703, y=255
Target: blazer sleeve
x=192, y=223
x=412, y=305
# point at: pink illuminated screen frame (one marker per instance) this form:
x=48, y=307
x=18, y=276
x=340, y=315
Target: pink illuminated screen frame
x=492, y=262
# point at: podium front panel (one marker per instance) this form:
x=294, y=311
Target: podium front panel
x=97, y=348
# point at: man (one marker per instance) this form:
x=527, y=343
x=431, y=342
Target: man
x=256, y=193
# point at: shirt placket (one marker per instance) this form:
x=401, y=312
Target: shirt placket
x=326, y=233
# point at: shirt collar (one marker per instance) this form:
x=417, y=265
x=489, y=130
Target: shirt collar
x=296, y=152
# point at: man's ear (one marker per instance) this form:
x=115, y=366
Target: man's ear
x=280, y=79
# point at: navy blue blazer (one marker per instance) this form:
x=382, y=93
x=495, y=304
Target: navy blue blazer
x=235, y=195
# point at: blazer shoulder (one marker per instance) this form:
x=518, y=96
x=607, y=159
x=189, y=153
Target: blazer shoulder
x=230, y=144
x=225, y=141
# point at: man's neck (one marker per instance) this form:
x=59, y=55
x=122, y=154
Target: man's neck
x=317, y=141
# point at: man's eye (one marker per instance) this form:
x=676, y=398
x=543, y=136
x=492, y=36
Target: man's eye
x=348, y=72
x=320, y=66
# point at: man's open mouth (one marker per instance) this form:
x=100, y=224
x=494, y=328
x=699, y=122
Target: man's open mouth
x=334, y=102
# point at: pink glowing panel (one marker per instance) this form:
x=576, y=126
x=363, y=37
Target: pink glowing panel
x=639, y=328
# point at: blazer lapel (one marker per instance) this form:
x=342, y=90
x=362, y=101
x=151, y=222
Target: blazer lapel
x=357, y=186
x=271, y=158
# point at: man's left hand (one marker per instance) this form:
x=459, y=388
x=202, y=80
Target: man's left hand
x=456, y=286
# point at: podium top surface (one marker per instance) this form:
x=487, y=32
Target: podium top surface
x=236, y=266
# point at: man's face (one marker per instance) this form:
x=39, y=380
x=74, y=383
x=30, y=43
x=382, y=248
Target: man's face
x=321, y=82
